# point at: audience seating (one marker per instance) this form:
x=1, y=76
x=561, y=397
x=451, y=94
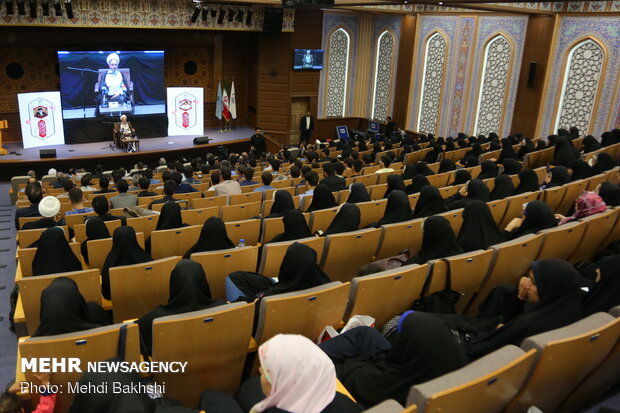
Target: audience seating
x=560, y=242
x=598, y=228
x=566, y=356
x=345, y=253
x=25, y=256
x=245, y=198
x=466, y=271
x=371, y=212
x=150, y=281
x=199, y=216
x=368, y=293
x=80, y=229
x=98, y=344
x=30, y=289
x=145, y=224
x=485, y=385
x=240, y=212
x=304, y=312
x=177, y=241
x=498, y=209
x=273, y=253
x=26, y=237
x=209, y=201
x=515, y=206
x=573, y=190
x=218, y=264
x=455, y=218
x=72, y=220
x=553, y=197
x=322, y=219
x=213, y=342
x=99, y=249
x=397, y=237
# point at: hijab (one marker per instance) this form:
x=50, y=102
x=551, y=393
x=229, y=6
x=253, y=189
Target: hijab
x=54, y=255
x=488, y=170
x=610, y=193
x=557, y=282
x=590, y=144
x=564, y=152
x=528, y=182
x=604, y=162
x=461, y=176
x=479, y=230
x=295, y=227
x=438, y=241
x=213, y=237
x=540, y=145
x=423, y=349
x=125, y=251
x=446, y=165
x=322, y=198
x=95, y=229
x=559, y=177
x=476, y=189
x=189, y=291
x=170, y=217
x=538, y=216
x=503, y=188
x=580, y=168
x=298, y=271
x=394, y=183
x=423, y=169
x=507, y=152
x=283, y=201
x=397, y=209
x=432, y=156
x=608, y=139
x=358, y=193
x=410, y=171
x=63, y=309
x=302, y=376
x=511, y=166
x=588, y=203
x=606, y=293
x=430, y=203
x=419, y=181
x=347, y=219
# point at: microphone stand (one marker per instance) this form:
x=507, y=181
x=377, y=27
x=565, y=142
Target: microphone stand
x=82, y=71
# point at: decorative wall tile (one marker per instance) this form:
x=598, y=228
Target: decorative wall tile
x=337, y=72
x=434, y=70
x=383, y=76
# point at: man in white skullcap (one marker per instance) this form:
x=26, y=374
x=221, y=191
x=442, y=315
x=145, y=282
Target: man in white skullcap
x=113, y=84
x=49, y=209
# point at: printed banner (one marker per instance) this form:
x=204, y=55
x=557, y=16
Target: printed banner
x=40, y=116
x=185, y=111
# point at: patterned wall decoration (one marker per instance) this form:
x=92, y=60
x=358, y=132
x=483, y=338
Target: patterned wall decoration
x=332, y=21
x=580, y=86
x=434, y=65
x=525, y=6
x=514, y=30
x=383, y=76
x=337, y=72
x=467, y=37
x=383, y=106
x=493, y=85
x=571, y=31
x=429, y=25
x=159, y=14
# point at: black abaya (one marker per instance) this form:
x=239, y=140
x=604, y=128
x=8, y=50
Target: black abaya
x=394, y=183
x=213, y=237
x=564, y=152
x=419, y=181
x=95, y=229
x=54, y=255
x=358, y=193
x=283, y=201
x=528, y=182
x=397, y=209
x=322, y=198
x=538, y=216
x=170, y=217
x=479, y=230
x=610, y=193
x=438, y=241
x=295, y=227
x=347, y=219
x=606, y=293
x=488, y=170
x=429, y=203
x=503, y=188
x=559, y=177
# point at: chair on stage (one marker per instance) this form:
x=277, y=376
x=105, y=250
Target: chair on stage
x=104, y=106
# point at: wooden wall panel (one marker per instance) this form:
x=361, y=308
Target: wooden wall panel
x=404, y=69
x=308, y=35
x=326, y=128
x=537, y=47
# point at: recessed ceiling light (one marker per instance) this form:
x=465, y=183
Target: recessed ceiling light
x=440, y=3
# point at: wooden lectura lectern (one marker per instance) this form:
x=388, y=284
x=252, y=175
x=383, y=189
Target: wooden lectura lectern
x=3, y=125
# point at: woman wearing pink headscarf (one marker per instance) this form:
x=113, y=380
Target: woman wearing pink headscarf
x=296, y=377
x=588, y=203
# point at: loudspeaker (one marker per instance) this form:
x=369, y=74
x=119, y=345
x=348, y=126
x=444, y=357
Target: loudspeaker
x=47, y=153
x=272, y=22
x=201, y=140
x=531, y=76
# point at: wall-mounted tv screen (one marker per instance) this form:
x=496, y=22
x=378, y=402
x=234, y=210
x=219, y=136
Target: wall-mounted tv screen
x=308, y=59
x=111, y=83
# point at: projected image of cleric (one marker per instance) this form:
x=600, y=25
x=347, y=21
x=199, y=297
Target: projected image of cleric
x=308, y=60
x=113, y=88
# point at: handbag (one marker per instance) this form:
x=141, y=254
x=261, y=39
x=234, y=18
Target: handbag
x=440, y=302
x=392, y=262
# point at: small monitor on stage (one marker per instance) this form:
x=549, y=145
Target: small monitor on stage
x=111, y=83
x=343, y=133
x=373, y=126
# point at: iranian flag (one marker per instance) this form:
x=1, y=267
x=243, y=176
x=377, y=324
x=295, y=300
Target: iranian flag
x=225, y=110
x=233, y=102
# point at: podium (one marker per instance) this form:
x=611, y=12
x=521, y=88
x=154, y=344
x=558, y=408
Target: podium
x=3, y=125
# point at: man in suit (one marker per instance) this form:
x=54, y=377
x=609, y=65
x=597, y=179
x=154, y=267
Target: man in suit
x=123, y=199
x=34, y=192
x=258, y=142
x=335, y=183
x=170, y=187
x=144, y=184
x=389, y=127
x=101, y=205
x=306, y=126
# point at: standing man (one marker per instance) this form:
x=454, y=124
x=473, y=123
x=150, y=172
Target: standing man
x=258, y=142
x=389, y=127
x=306, y=126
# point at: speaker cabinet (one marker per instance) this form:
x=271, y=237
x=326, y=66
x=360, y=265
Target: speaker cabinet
x=201, y=140
x=47, y=153
x=272, y=22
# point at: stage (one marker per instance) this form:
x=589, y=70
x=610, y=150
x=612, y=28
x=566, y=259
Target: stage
x=86, y=155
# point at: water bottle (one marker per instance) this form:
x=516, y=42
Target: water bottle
x=241, y=243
